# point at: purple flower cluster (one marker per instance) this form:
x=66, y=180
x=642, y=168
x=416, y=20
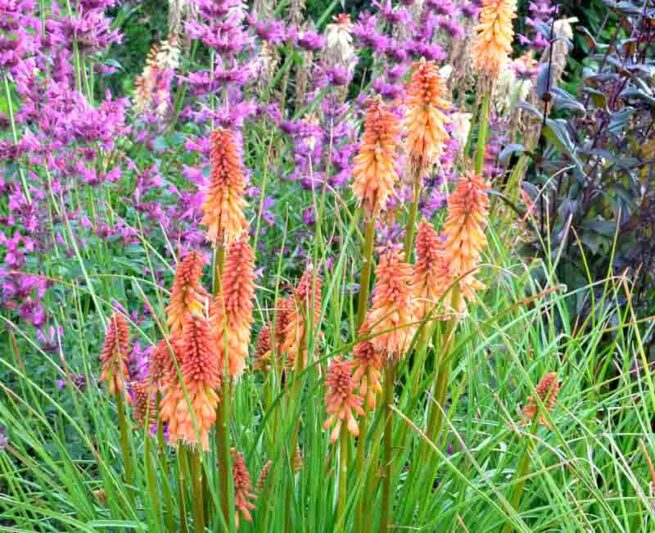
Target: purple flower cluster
x=18, y=32
x=323, y=150
x=541, y=16
x=87, y=30
x=400, y=34
x=55, y=139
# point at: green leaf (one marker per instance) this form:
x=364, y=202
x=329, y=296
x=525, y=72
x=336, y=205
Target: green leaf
x=562, y=100
x=556, y=132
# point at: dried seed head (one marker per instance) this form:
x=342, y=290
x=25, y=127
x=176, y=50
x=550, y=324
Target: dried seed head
x=461, y=127
x=152, y=86
x=266, y=64
x=514, y=85
x=339, y=49
x=561, y=46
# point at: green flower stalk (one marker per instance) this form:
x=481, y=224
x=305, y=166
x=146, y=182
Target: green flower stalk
x=114, y=371
x=534, y=413
x=343, y=404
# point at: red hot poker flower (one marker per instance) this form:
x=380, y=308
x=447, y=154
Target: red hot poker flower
x=187, y=295
x=547, y=390
x=374, y=171
x=201, y=375
x=243, y=490
x=224, y=203
x=114, y=354
x=231, y=312
x=342, y=400
x=425, y=118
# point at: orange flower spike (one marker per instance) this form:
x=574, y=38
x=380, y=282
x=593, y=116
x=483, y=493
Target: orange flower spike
x=114, y=353
x=308, y=296
x=172, y=396
x=342, y=400
x=243, y=490
x=304, y=316
x=425, y=118
x=238, y=281
x=282, y=317
x=391, y=315
x=374, y=172
x=367, y=366
x=468, y=212
x=161, y=364
x=547, y=390
x=262, y=359
x=143, y=403
x=431, y=272
x=263, y=476
x=492, y=44
x=187, y=295
x=201, y=372
x=231, y=312
x=224, y=203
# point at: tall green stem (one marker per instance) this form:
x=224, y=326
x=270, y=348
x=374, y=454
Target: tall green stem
x=523, y=470
x=183, y=472
x=163, y=462
x=222, y=415
x=440, y=385
x=360, y=464
x=294, y=398
x=482, y=133
x=223, y=446
x=343, y=478
x=413, y=212
x=362, y=306
x=198, y=506
x=151, y=478
x=219, y=262
x=14, y=135
x=421, y=475
x=415, y=376
x=389, y=382
x=367, y=267
x=125, y=446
